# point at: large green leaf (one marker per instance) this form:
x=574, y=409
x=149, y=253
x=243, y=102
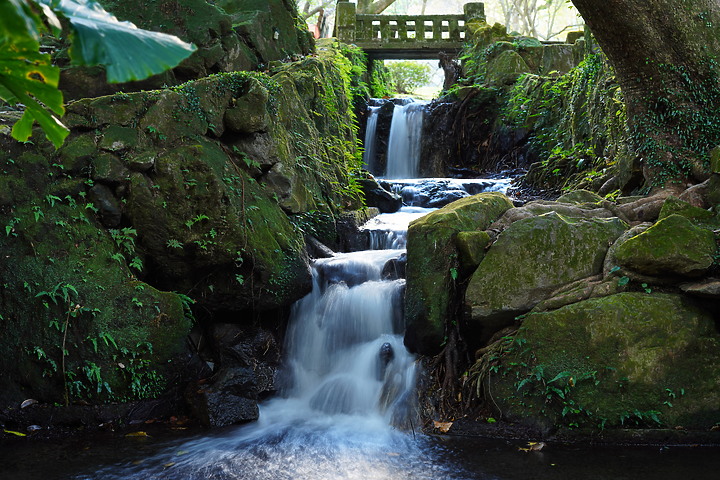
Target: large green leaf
x=18, y=23
x=127, y=52
x=27, y=77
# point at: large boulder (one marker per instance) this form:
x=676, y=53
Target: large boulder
x=531, y=259
x=671, y=247
x=631, y=359
x=433, y=264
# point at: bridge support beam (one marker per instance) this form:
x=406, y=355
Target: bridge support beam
x=474, y=11
x=345, y=22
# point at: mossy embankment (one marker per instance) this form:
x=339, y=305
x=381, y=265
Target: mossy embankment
x=169, y=210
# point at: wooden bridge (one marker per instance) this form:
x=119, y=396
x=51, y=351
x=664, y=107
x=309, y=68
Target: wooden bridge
x=405, y=36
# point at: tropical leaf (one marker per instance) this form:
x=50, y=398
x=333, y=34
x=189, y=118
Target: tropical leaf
x=19, y=23
x=127, y=52
x=28, y=78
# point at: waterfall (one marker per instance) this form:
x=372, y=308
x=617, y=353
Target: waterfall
x=370, y=134
x=345, y=347
x=403, y=156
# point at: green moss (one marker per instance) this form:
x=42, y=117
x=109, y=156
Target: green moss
x=630, y=359
x=673, y=246
x=532, y=258
x=433, y=265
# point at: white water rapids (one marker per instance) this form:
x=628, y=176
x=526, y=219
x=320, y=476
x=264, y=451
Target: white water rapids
x=349, y=410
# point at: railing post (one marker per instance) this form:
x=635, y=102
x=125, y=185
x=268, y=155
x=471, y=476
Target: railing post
x=345, y=22
x=474, y=11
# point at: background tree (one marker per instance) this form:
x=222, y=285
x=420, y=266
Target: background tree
x=543, y=19
x=665, y=54
x=406, y=76
x=373, y=7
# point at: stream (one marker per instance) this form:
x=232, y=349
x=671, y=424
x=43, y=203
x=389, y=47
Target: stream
x=348, y=408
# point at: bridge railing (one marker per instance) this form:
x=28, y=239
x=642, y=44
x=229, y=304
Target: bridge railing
x=404, y=31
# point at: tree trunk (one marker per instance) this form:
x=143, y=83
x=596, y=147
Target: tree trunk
x=664, y=54
x=370, y=7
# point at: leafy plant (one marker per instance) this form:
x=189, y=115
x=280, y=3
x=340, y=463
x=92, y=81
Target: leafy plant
x=27, y=76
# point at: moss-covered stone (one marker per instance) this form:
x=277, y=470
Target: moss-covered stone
x=580, y=197
x=715, y=160
x=673, y=246
x=173, y=203
x=699, y=216
x=505, y=68
x=82, y=327
x=624, y=360
x=471, y=249
x=530, y=259
x=433, y=265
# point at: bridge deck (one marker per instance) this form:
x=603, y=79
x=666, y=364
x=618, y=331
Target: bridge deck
x=405, y=36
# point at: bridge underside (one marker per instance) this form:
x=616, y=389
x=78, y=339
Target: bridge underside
x=407, y=52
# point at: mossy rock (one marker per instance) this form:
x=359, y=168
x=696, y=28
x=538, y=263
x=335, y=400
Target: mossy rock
x=471, y=250
x=699, y=216
x=671, y=247
x=69, y=286
x=433, y=265
x=531, y=259
x=505, y=68
x=580, y=197
x=630, y=359
x=715, y=160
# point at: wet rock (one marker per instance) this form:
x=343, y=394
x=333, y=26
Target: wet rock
x=673, y=246
x=350, y=237
x=377, y=196
x=229, y=399
x=395, y=268
x=107, y=204
x=316, y=249
x=446, y=197
x=433, y=262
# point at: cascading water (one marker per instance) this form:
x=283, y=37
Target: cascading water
x=370, y=135
x=349, y=407
x=403, y=157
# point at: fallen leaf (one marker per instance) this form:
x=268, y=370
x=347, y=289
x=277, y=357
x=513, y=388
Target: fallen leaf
x=442, y=426
x=28, y=402
x=169, y=464
x=12, y=432
x=137, y=434
x=533, y=447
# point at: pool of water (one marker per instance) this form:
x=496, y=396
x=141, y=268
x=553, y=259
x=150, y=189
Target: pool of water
x=349, y=448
